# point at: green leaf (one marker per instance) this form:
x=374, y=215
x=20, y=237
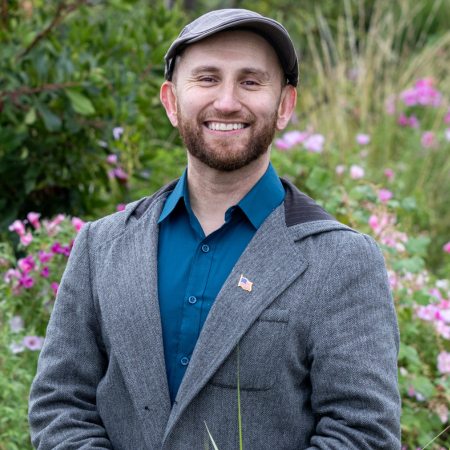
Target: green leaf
x=80, y=103
x=318, y=179
x=418, y=245
x=30, y=117
x=51, y=121
x=409, y=355
x=424, y=386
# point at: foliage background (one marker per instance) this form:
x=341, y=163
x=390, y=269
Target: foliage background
x=82, y=130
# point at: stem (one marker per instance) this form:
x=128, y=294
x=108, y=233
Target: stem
x=432, y=440
x=241, y=446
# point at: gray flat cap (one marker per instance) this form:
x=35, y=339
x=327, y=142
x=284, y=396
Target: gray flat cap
x=227, y=19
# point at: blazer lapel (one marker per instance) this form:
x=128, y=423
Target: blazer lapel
x=132, y=317
x=271, y=262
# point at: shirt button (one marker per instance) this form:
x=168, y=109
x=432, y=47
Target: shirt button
x=192, y=299
x=205, y=248
x=184, y=361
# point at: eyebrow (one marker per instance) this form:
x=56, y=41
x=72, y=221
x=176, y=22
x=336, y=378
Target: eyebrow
x=246, y=71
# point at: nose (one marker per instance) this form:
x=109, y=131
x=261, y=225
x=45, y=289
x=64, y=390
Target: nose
x=227, y=100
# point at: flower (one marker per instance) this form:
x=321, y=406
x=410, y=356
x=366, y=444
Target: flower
x=423, y=94
x=121, y=207
x=389, y=174
x=77, y=223
x=54, y=285
x=26, y=281
x=16, y=324
x=117, y=132
x=16, y=347
x=340, y=169
x=44, y=256
x=389, y=105
x=314, y=143
x=447, y=118
x=57, y=248
x=26, y=239
x=18, y=227
x=52, y=227
x=112, y=159
x=356, y=172
x=291, y=139
x=33, y=218
x=33, y=342
x=384, y=195
x=444, y=362
x=45, y=272
x=27, y=264
x=428, y=139
x=120, y=174
x=11, y=274
x=446, y=247
x=447, y=134
x=362, y=139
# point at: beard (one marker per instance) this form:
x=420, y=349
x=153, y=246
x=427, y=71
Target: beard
x=224, y=155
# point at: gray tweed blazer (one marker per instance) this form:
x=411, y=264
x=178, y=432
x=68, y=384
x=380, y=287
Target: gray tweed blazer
x=315, y=343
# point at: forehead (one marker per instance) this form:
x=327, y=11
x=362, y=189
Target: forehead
x=230, y=49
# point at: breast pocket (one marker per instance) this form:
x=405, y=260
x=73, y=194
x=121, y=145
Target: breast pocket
x=260, y=352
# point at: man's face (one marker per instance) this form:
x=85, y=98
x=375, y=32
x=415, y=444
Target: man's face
x=226, y=99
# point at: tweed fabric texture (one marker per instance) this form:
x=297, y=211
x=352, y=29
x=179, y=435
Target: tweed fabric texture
x=317, y=342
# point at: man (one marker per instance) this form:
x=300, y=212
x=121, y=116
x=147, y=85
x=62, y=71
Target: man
x=226, y=294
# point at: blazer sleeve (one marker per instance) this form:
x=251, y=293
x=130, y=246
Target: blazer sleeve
x=353, y=349
x=62, y=408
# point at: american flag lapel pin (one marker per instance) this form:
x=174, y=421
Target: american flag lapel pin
x=245, y=284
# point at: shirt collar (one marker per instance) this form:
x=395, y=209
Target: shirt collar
x=175, y=196
x=265, y=196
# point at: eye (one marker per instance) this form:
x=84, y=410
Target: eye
x=206, y=79
x=250, y=83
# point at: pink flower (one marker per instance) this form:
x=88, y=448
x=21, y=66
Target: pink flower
x=26, y=281
x=45, y=272
x=57, y=248
x=52, y=227
x=356, y=172
x=33, y=218
x=428, y=139
x=374, y=223
x=389, y=174
x=120, y=174
x=121, y=207
x=340, y=169
x=54, y=285
x=112, y=159
x=442, y=412
x=384, y=195
x=403, y=120
x=11, y=274
x=44, y=256
x=423, y=93
x=117, y=132
x=18, y=227
x=26, y=239
x=446, y=247
x=314, y=143
x=414, y=122
x=33, y=343
x=77, y=223
x=362, y=139
x=447, y=118
x=290, y=139
x=27, y=264
x=444, y=362
x=389, y=105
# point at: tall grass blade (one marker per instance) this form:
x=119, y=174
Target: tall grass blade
x=211, y=438
x=432, y=440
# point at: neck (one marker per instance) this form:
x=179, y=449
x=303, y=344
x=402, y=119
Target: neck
x=212, y=192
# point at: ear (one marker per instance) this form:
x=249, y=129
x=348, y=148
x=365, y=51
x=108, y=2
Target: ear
x=287, y=106
x=168, y=98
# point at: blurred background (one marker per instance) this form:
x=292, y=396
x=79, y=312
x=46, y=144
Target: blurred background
x=82, y=133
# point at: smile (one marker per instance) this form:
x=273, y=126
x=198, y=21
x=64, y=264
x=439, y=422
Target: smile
x=221, y=126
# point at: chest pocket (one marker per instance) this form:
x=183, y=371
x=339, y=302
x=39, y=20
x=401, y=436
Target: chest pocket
x=260, y=352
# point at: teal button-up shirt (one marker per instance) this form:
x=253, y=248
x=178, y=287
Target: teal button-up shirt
x=192, y=268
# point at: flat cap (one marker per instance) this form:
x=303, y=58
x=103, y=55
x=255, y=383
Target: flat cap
x=228, y=19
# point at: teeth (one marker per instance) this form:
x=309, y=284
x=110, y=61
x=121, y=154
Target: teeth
x=219, y=126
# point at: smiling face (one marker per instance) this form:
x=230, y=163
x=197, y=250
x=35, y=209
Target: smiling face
x=228, y=98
